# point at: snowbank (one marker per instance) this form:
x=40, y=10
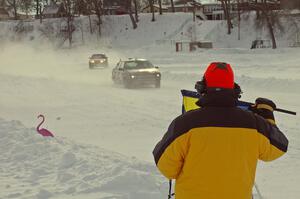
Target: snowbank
x=33, y=166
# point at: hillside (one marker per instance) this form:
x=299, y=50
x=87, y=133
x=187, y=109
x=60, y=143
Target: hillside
x=117, y=31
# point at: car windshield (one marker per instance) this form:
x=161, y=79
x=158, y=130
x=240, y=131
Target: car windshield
x=138, y=64
x=98, y=56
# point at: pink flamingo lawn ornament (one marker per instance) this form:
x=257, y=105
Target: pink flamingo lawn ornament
x=43, y=132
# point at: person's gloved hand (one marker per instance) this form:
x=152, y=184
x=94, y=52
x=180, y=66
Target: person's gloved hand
x=264, y=107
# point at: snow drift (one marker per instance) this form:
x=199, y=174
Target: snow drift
x=33, y=166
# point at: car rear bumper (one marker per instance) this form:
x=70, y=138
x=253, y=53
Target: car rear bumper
x=104, y=64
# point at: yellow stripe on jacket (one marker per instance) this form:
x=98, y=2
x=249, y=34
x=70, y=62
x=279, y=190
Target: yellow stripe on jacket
x=225, y=158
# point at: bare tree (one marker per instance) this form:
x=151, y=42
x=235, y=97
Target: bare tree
x=172, y=5
x=26, y=6
x=194, y=10
x=160, y=7
x=69, y=13
x=81, y=7
x=38, y=4
x=129, y=8
x=85, y=7
x=15, y=4
x=37, y=9
x=268, y=16
x=97, y=7
x=226, y=5
x=136, y=10
x=89, y=17
x=152, y=9
x=257, y=10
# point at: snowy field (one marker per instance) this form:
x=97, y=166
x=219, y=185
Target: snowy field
x=105, y=134
x=85, y=110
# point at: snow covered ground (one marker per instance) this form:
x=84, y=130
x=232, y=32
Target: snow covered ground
x=36, y=167
x=105, y=133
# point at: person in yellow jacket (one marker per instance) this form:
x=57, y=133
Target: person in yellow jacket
x=212, y=152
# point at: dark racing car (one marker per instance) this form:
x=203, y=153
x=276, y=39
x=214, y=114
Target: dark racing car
x=136, y=72
x=98, y=60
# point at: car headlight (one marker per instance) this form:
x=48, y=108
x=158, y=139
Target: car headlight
x=157, y=75
x=92, y=61
x=132, y=76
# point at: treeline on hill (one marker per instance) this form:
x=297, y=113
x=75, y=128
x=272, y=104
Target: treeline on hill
x=267, y=11
x=72, y=8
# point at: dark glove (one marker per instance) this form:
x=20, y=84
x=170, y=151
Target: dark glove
x=264, y=107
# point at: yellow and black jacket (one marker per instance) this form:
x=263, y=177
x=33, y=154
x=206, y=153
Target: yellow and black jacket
x=212, y=152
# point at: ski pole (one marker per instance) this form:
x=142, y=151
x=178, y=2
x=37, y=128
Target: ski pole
x=276, y=109
x=170, y=190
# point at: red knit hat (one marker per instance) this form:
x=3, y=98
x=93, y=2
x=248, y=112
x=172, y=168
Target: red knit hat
x=219, y=75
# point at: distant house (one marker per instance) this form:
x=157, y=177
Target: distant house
x=213, y=11
x=181, y=8
x=186, y=6
x=54, y=11
x=114, y=7
x=107, y=3
x=115, y=10
x=288, y=4
x=247, y=5
x=295, y=13
x=191, y=6
x=147, y=9
x=23, y=16
x=205, y=10
x=4, y=14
